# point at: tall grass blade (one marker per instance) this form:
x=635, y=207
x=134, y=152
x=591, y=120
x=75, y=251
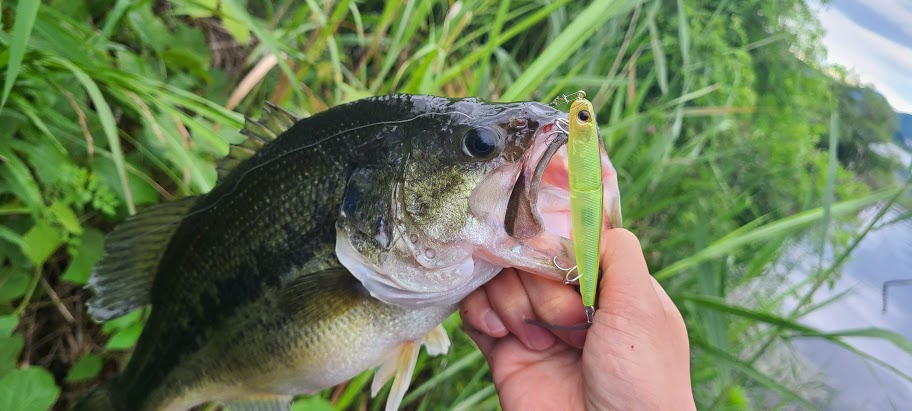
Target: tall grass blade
x=683, y=33
x=108, y=125
x=26, y=12
x=830, y=183
x=785, y=225
x=656, y=44
x=879, y=333
x=268, y=40
x=574, y=35
x=754, y=374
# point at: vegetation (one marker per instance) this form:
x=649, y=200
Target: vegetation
x=723, y=127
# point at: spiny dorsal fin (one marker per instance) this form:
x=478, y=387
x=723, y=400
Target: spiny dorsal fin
x=123, y=278
x=275, y=121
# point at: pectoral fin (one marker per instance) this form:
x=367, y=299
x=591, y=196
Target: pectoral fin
x=401, y=363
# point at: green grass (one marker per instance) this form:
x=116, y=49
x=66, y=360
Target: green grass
x=726, y=146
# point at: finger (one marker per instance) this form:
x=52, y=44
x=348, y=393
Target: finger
x=558, y=304
x=673, y=319
x=626, y=285
x=476, y=311
x=509, y=299
x=484, y=342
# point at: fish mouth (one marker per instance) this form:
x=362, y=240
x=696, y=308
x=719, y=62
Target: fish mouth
x=536, y=221
x=524, y=218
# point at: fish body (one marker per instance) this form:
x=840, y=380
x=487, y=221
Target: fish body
x=331, y=245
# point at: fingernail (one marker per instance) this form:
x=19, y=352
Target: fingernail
x=493, y=322
x=538, y=338
x=578, y=338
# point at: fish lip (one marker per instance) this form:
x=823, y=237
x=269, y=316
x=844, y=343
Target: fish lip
x=523, y=219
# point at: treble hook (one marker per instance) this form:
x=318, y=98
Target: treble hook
x=567, y=271
x=562, y=124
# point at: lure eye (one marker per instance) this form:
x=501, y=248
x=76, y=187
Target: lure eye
x=583, y=116
x=479, y=142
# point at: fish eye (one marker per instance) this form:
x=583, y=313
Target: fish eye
x=479, y=142
x=583, y=116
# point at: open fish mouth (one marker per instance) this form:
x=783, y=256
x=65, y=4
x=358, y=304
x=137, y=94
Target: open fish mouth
x=524, y=219
x=536, y=221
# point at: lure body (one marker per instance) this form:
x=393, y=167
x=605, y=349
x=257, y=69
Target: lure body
x=586, y=192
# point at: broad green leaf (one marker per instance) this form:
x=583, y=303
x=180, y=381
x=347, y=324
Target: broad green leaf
x=235, y=25
x=122, y=322
x=10, y=348
x=124, y=331
x=86, y=368
x=8, y=324
x=40, y=242
x=90, y=249
x=13, y=284
x=29, y=389
x=26, y=11
x=66, y=217
x=125, y=338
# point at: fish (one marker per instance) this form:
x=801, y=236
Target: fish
x=331, y=245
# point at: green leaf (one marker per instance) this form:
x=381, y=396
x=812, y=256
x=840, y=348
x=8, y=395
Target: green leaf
x=26, y=11
x=10, y=348
x=90, y=249
x=122, y=322
x=40, y=242
x=86, y=368
x=30, y=389
x=8, y=324
x=235, y=26
x=125, y=331
x=66, y=217
x=13, y=284
x=125, y=338
x=312, y=403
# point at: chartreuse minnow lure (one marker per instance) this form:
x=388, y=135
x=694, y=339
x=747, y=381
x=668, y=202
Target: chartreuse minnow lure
x=585, y=172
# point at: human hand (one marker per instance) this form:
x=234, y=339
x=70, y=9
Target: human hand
x=634, y=356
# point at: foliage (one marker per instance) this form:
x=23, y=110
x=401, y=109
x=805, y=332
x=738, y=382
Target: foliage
x=868, y=120
x=715, y=113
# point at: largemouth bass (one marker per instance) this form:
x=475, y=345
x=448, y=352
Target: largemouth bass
x=331, y=245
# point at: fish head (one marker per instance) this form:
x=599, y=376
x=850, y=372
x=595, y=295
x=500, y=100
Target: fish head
x=462, y=191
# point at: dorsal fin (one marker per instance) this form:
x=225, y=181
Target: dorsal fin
x=122, y=280
x=275, y=121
